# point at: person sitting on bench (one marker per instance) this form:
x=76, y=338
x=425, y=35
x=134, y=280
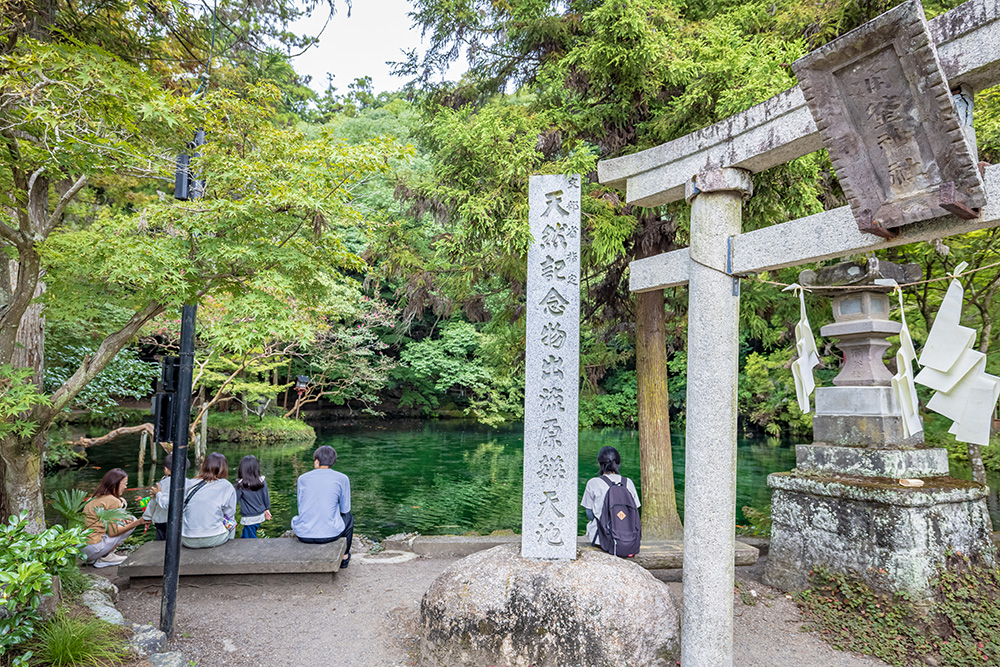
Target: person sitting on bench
x=324, y=498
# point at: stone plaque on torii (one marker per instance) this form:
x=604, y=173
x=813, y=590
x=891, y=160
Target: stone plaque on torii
x=886, y=115
x=711, y=168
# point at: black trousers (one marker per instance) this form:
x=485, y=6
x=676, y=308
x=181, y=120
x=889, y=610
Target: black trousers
x=348, y=534
x=161, y=532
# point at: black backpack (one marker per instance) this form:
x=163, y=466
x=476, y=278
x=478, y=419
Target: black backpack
x=619, y=529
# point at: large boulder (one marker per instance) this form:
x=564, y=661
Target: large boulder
x=496, y=608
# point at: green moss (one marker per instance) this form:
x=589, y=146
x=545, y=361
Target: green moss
x=229, y=427
x=956, y=626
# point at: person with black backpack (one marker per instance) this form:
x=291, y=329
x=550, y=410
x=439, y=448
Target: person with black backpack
x=612, y=507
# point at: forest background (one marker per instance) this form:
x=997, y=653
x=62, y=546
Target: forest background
x=375, y=241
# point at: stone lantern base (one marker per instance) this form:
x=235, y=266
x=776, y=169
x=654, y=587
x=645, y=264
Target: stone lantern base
x=869, y=525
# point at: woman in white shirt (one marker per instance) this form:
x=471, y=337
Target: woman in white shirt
x=608, y=461
x=209, y=505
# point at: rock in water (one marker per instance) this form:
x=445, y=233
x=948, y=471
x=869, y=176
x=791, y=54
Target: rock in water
x=495, y=607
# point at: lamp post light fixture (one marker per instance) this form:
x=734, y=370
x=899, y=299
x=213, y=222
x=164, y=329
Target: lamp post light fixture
x=301, y=382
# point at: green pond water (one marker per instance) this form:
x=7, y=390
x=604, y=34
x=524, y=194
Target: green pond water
x=438, y=477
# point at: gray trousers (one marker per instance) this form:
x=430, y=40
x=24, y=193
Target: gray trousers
x=206, y=542
x=93, y=552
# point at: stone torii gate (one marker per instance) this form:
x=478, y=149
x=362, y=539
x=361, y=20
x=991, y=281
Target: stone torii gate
x=712, y=168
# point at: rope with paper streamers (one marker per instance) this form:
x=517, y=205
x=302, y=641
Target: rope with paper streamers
x=805, y=345
x=949, y=276
x=964, y=391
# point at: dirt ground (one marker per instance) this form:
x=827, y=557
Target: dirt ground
x=368, y=615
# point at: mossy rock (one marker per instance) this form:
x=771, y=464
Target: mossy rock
x=229, y=427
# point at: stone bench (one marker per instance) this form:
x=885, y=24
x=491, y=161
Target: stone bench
x=653, y=554
x=238, y=561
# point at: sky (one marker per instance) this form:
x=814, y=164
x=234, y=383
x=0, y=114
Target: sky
x=377, y=31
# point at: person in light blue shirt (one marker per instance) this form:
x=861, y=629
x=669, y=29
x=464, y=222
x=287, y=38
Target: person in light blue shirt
x=324, y=497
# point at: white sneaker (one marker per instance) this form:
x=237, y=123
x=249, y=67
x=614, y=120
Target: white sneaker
x=109, y=560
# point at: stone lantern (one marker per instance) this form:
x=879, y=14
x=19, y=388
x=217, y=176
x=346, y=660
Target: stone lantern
x=864, y=499
x=860, y=409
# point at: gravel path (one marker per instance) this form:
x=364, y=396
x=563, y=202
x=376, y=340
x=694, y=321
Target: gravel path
x=368, y=617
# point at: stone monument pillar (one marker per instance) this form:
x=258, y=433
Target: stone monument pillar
x=552, y=363
x=843, y=507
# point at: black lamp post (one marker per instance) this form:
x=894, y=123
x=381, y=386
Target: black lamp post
x=185, y=188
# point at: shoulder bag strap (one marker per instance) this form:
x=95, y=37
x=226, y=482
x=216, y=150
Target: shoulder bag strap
x=190, y=494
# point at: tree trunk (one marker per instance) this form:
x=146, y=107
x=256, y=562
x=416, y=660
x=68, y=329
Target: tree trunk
x=29, y=351
x=21, y=491
x=659, y=502
x=21, y=459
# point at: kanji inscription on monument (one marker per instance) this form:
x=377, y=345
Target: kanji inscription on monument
x=886, y=115
x=552, y=360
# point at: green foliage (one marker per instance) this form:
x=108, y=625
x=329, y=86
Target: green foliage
x=69, y=504
x=73, y=641
x=936, y=435
x=618, y=407
x=18, y=394
x=125, y=376
x=488, y=499
x=758, y=522
x=109, y=114
x=987, y=124
x=27, y=563
x=263, y=248
x=346, y=361
x=229, y=427
x=452, y=367
x=263, y=225
x=73, y=581
x=483, y=159
x=109, y=516
x=957, y=626
x=766, y=396
x=62, y=454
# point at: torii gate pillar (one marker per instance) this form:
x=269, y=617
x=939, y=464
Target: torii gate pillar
x=710, y=466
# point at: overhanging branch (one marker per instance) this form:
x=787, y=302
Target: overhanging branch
x=61, y=206
x=89, y=369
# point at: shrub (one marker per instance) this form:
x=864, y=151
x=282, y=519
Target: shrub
x=27, y=563
x=618, y=407
x=69, y=504
x=73, y=581
x=61, y=454
x=758, y=522
x=127, y=375
x=957, y=626
x=78, y=642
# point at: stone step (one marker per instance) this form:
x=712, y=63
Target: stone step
x=653, y=554
x=238, y=560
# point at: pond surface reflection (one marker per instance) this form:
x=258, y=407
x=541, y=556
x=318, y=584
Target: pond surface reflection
x=437, y=477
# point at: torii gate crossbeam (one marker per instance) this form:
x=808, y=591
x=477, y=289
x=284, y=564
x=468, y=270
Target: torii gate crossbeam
x=720, y=156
